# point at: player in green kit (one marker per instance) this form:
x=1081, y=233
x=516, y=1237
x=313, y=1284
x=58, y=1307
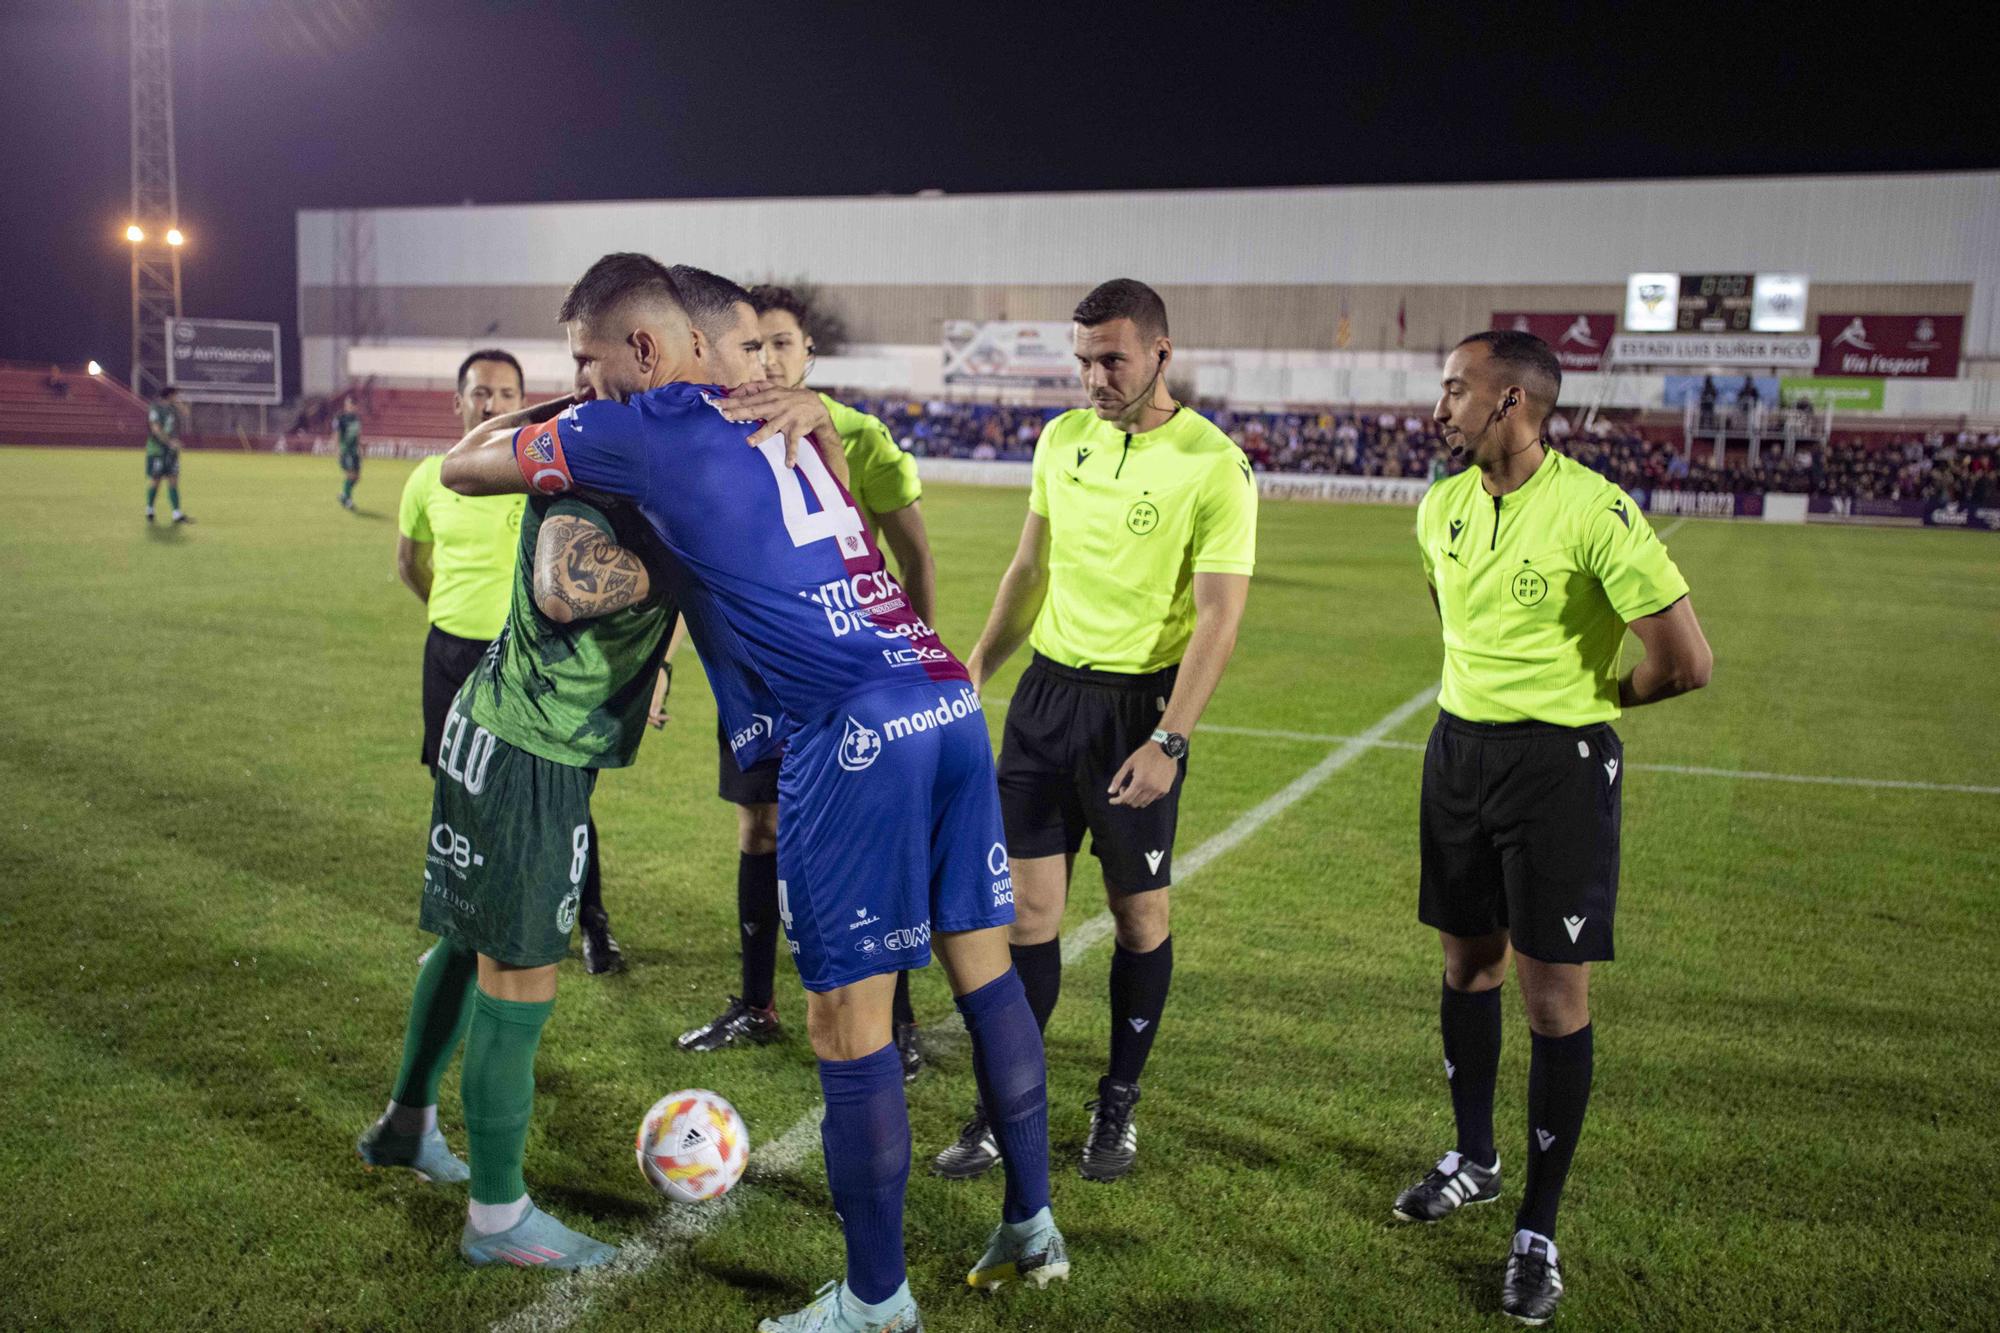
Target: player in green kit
x=347, y=439
x=561, y=694
x=163, y=453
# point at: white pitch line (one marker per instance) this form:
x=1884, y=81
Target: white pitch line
x=1685, y=770
x=678, y=1225
x=1673, y=527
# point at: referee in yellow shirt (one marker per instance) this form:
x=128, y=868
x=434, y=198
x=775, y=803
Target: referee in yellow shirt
x=1129, y=584
x=1537, y=566
x=456, y=553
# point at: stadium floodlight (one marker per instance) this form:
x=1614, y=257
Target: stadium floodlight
x=94, y=368
x=174, y=236
x=134, y=234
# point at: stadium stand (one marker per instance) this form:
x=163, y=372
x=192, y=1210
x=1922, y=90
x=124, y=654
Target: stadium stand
x=44, y=404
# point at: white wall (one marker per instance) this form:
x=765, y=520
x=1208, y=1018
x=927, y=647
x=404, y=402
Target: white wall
x=1889, y=229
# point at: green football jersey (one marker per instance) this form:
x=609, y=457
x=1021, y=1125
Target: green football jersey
x=163, y=428
x=576, y=694
x=347, y=427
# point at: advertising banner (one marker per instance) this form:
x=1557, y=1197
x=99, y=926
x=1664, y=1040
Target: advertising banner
x=1684, y=389
x=1699, y=504
x=1954, y=515
x=1579, y=339
x=1858, y=509
x=1841, y=392
x=224, y=361
x=1914, y=346
x=1715, y=349
x=1016, y=352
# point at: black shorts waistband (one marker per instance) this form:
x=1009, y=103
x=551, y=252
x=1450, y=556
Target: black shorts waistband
x=1527, y=728
x=481, y=644
x=1116, y=680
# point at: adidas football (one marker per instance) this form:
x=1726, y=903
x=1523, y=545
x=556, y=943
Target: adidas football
x=692, y=1146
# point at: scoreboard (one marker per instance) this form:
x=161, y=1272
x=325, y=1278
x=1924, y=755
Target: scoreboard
x=1715, y=303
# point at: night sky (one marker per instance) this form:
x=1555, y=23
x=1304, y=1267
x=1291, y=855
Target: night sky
x=285, y=104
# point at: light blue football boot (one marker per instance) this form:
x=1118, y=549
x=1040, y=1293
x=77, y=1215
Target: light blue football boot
x=1031, y=1251
x=536, y=1241
x=426, y=1154
x=834, y=1311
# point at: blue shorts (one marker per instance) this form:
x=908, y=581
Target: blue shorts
x=889, y=828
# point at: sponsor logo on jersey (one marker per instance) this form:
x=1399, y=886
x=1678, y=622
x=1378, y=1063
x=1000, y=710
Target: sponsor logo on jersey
x=868, y=946
x=910, y=937
x=862, y=917
x=436, y=889
x=454, y=847
x=852, y=603
x=1002, y=887
x=915, y=655
x=946, y=711
x=760, y=727
x=860, y=746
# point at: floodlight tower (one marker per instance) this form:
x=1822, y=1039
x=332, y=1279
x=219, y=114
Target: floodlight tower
x=154, y=228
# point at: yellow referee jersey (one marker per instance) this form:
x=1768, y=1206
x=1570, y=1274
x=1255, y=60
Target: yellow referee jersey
x=1132, y=520
x=1535, y=589
x=883, y=477
x=472, y=540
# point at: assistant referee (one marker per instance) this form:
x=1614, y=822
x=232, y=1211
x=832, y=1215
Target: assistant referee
x=1537, y=566
x=1129, y=584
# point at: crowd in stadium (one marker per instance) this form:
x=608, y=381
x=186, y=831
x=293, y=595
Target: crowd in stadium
x=1933, y=467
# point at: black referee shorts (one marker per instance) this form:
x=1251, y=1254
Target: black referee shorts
x=1069, y=730
x=1520, y=832
x=756, y=785
x=448, y=660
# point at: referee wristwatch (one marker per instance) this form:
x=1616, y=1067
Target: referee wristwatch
x=1172, y=742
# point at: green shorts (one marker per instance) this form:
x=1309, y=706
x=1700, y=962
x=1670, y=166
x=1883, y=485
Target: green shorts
x=509, y=845
x=166, y=463
x=350, y=460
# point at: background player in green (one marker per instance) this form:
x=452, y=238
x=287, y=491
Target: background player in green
x=1537, y=566
x=1129, y=583
x=888, y=492
x=347, y=440
x=561, y=694
x=163, y=452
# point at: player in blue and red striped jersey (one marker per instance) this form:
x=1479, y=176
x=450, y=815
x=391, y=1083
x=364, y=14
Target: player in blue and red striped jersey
x=891, y=837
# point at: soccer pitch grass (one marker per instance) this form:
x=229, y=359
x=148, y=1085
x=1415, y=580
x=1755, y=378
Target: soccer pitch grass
x=212, y=844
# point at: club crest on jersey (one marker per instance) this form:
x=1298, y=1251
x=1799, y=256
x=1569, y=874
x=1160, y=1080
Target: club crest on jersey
x=1528, y=587
x=860, y=746
x=1142, y=517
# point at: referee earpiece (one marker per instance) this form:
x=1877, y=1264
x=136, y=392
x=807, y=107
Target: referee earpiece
x=1508, y=406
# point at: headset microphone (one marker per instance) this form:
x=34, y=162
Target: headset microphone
x=1159, y=369
x=1507, y=404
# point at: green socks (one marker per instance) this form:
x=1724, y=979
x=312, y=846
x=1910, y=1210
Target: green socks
x=499, y=1087
x=173, y=498
x=152, y=493
x=439, y=1012
x=347, y=488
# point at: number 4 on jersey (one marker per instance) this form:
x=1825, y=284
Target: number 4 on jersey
x=835, y=520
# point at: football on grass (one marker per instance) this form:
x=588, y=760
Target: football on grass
x=692, y=1146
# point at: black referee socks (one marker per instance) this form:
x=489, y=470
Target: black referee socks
x=1558, y=1091
x=1139, y=984
x=757, y=918
x=1470, y=1022
x=1040, y=966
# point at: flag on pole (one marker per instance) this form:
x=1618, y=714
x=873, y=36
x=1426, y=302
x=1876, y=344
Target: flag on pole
x=1344, y=334
x=1402, y=321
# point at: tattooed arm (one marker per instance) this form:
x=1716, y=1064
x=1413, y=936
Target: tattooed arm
x=580, y=572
